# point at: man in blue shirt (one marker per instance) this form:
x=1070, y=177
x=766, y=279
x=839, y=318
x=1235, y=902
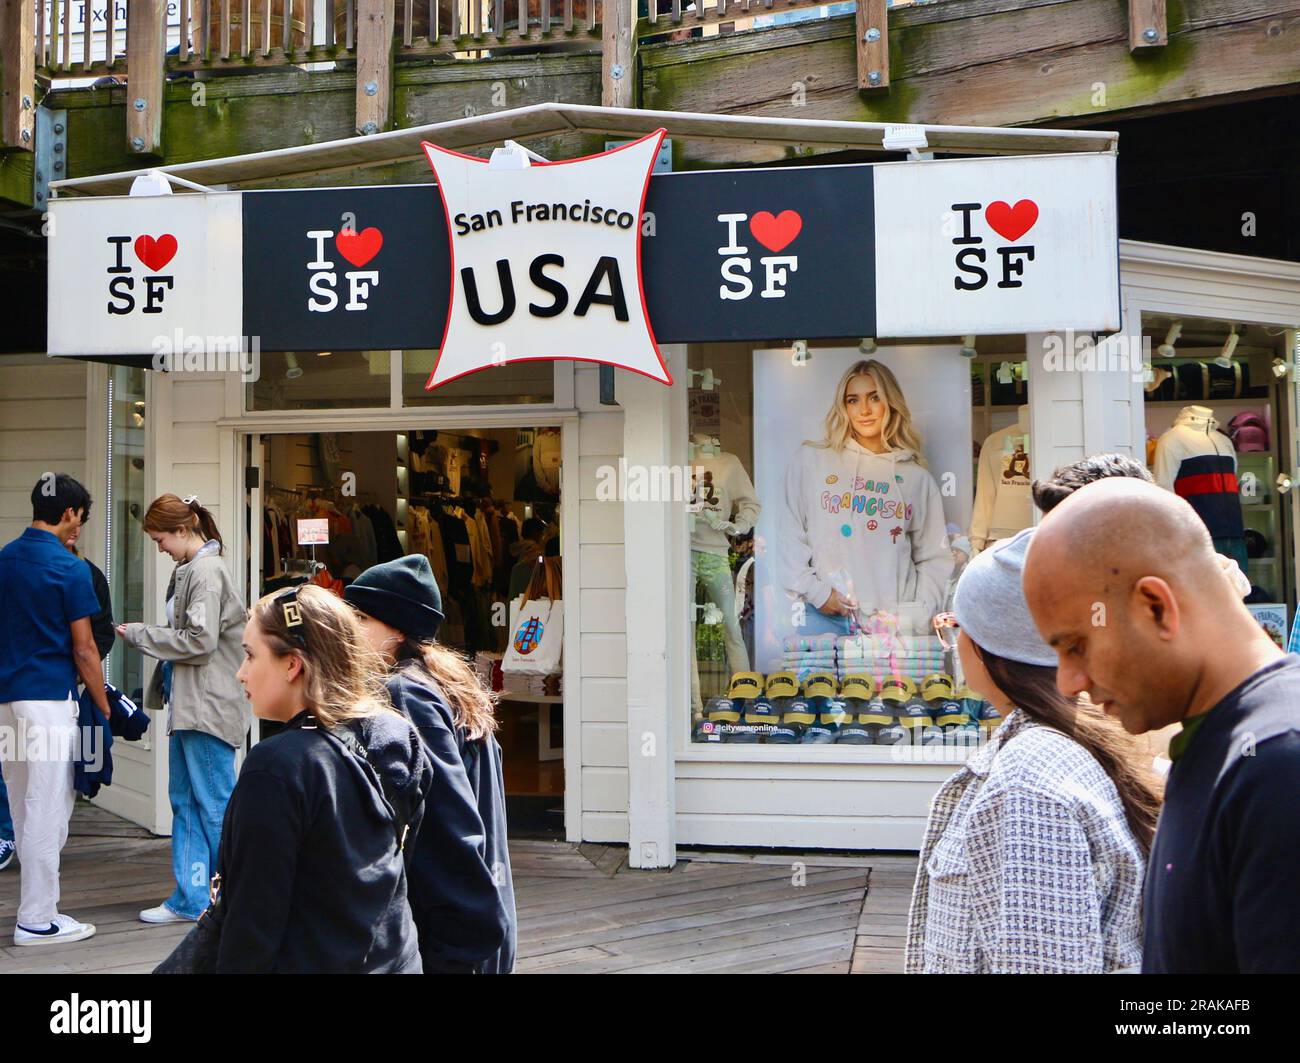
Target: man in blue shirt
x=46, y=644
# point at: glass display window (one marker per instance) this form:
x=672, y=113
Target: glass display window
x=833, y=493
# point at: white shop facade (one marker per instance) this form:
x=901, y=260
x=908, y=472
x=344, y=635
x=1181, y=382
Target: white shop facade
x=661, y=608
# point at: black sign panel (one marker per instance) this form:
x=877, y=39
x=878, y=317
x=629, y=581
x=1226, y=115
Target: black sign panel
x=761, y=254
x=735, y=255
x=346, y=268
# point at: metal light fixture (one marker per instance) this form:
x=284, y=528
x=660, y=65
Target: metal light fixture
x=968, y=347
x=867, y=345
x=1171, y=337
x=294, y=370
x=1224, y=361
x=799, y=353
x=1284, y=482
x=1279, y=368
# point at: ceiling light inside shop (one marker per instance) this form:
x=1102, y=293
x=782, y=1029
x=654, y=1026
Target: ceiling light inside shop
x=294, y=370
x=867, y=345
x=1224, y=360
x=968, y=347
x=1171, y=337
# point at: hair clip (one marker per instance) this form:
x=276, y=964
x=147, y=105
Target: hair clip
x=291, y=611
x=193, y=500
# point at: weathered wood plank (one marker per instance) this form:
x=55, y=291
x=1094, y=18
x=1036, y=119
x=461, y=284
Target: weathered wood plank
x=618, y=70
x=146, y=31
x=17, y=76
x=872, y=44
x=1148, y=26
x=374, y=65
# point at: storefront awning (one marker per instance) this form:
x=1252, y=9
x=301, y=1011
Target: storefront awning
x=551, y=119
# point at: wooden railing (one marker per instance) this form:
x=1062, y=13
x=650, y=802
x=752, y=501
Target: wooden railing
x=293, y=32
x=371, y=36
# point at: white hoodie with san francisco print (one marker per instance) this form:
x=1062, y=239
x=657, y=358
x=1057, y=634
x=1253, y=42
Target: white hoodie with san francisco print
x=868, y=525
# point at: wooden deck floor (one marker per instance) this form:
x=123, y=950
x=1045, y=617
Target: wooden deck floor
x=581, y=909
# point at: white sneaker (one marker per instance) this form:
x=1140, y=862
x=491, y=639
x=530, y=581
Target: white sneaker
x=162, y=914
x=63, y=930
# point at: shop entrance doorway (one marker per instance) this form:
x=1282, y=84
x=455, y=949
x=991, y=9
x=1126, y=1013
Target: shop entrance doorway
x=483, y=505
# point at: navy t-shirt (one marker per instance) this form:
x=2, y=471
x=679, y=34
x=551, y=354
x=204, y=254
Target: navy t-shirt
x=1224, y=872
x=43, y=589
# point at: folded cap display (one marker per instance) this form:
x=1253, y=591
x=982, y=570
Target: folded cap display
x=799, y=712
x=782, y=685
x=915, y=713
x=721, y=710
x=746, y=685
x=936, y=685
x=761, y=710
x=821, y=734
x=785, y=735
x=819, y=685
x=949, y=713
x=891, y=735
x=857, y=734
x=1248, y=432
x=834, y=711
x=875, y=712
x=858, y=685
x=897, y=688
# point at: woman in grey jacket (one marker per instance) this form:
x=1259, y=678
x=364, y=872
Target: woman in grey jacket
x=1035, y=848
x=200, y=651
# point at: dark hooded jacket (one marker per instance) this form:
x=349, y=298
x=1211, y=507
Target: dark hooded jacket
x=461, y=892
x=312, y=878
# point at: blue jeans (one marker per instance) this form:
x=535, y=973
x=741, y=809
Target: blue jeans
x=200, y=779
x=6, y=822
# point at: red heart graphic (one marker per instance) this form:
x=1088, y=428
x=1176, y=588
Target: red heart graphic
x=1011, y=223
x=775, y=233
x=359, y=247
x=155, y=252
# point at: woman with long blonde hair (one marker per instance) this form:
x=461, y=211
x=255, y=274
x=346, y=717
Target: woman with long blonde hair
x=860, y=520
x=461, y=889
x=317, y=833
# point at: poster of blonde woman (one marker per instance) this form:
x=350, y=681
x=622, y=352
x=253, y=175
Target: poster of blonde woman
x=868, y=464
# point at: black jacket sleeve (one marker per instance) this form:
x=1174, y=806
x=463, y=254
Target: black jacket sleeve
x=260, y=843
x=1260, y=837
x=453, y=893
x=102, y=622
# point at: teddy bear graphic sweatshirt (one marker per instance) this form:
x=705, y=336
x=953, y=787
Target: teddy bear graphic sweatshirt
x=868, y=525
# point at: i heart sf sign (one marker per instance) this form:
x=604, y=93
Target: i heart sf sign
x=155, y=251
x=775, y=232
x=359, y=247
x=1011, y=223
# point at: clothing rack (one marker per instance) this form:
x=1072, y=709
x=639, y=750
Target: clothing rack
x=470, y=443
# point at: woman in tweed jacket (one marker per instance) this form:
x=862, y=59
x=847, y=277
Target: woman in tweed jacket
x=1035, y=849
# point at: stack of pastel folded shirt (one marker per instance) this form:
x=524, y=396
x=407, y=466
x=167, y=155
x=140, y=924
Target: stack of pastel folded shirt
x=805, y=655
x=884, y=655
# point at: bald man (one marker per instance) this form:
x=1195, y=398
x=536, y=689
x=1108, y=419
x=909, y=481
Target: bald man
x=1123, y=582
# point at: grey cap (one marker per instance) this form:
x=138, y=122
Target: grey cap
x=990, y=604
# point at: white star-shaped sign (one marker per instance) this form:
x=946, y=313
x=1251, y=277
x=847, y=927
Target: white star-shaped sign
x=546, y=261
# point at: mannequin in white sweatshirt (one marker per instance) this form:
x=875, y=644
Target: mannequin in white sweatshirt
x=1004, y=505
x=861, y=524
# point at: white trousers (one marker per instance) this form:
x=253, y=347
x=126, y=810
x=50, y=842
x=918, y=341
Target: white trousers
x=37, y=744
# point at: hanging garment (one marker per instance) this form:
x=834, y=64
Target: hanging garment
x=387, y=545
x=1004, y=504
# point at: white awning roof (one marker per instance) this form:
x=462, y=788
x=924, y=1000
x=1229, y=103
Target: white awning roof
x=550, y=119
